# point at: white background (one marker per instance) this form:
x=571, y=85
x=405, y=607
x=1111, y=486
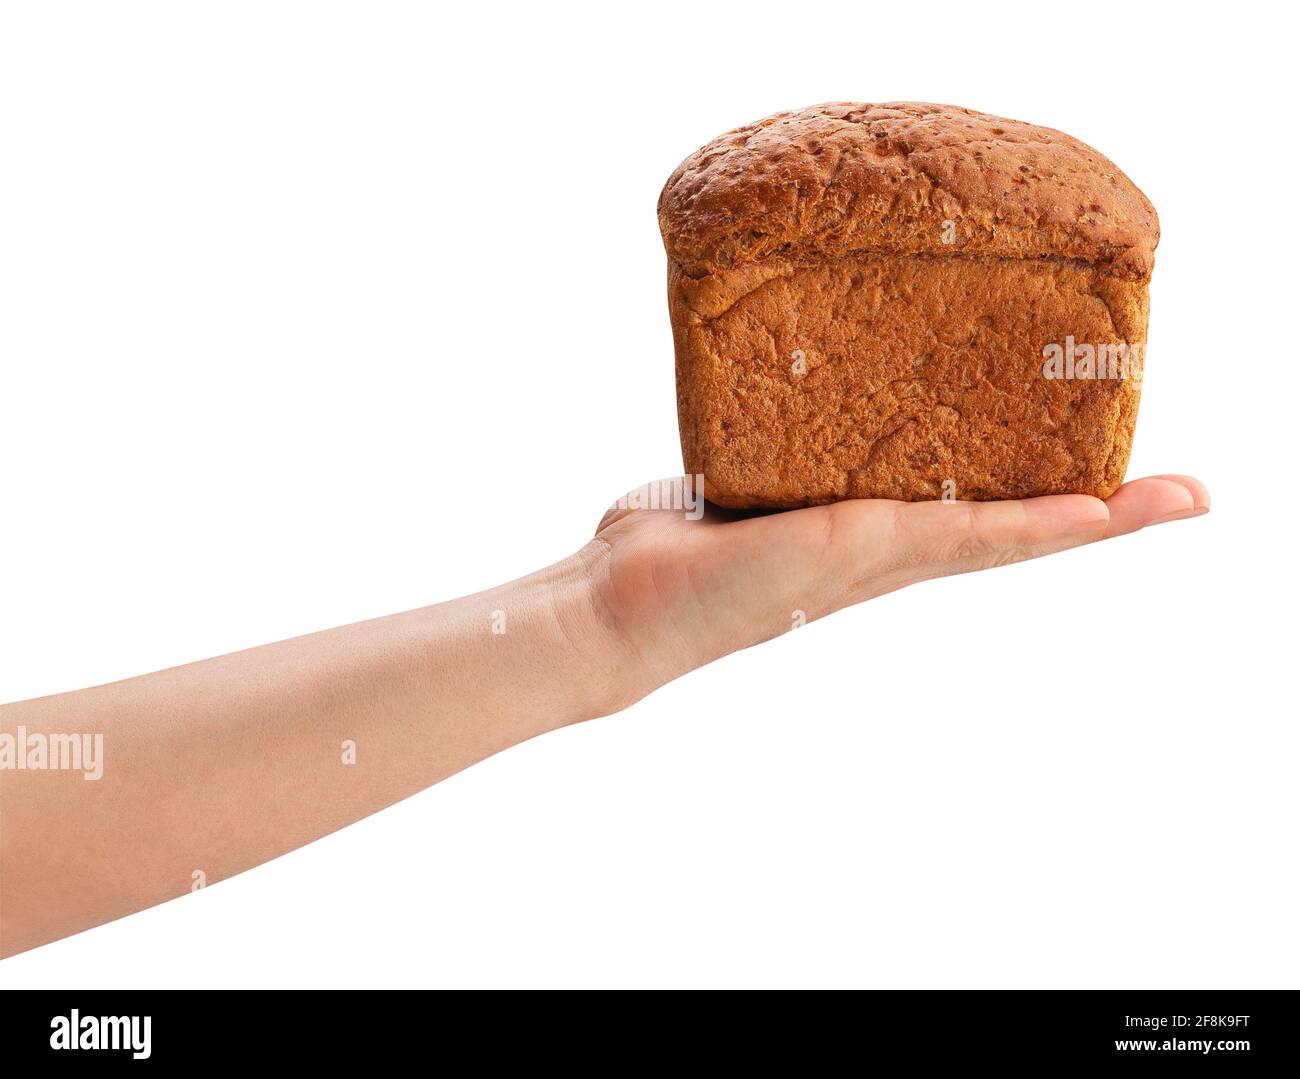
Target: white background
x=314, y=312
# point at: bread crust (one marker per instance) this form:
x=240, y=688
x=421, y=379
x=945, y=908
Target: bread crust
x=861, y=296
x=845, y=178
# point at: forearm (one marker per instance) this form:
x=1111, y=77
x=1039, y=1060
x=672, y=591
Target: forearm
x=217, y=766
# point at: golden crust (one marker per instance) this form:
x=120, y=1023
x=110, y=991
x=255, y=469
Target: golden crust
x=831, y=345
x=845, y=178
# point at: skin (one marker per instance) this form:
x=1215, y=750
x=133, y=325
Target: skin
x=218, y=766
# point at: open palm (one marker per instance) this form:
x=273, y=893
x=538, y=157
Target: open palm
x=683, y=592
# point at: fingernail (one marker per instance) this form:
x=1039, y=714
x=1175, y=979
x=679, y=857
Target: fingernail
x=1181, y=515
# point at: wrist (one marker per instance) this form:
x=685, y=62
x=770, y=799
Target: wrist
x=584, y=645
x=568, y=659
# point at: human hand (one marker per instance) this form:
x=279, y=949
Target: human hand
x=679, y=593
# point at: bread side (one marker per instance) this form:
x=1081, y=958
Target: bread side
x=891, y=376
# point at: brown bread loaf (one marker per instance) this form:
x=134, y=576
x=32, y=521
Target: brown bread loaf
x=900, y=301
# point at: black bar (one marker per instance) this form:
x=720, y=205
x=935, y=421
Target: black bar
x=1050, y=1029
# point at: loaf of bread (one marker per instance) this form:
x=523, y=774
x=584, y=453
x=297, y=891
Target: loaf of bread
x=905, y=301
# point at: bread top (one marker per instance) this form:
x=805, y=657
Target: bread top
x=902, y=178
